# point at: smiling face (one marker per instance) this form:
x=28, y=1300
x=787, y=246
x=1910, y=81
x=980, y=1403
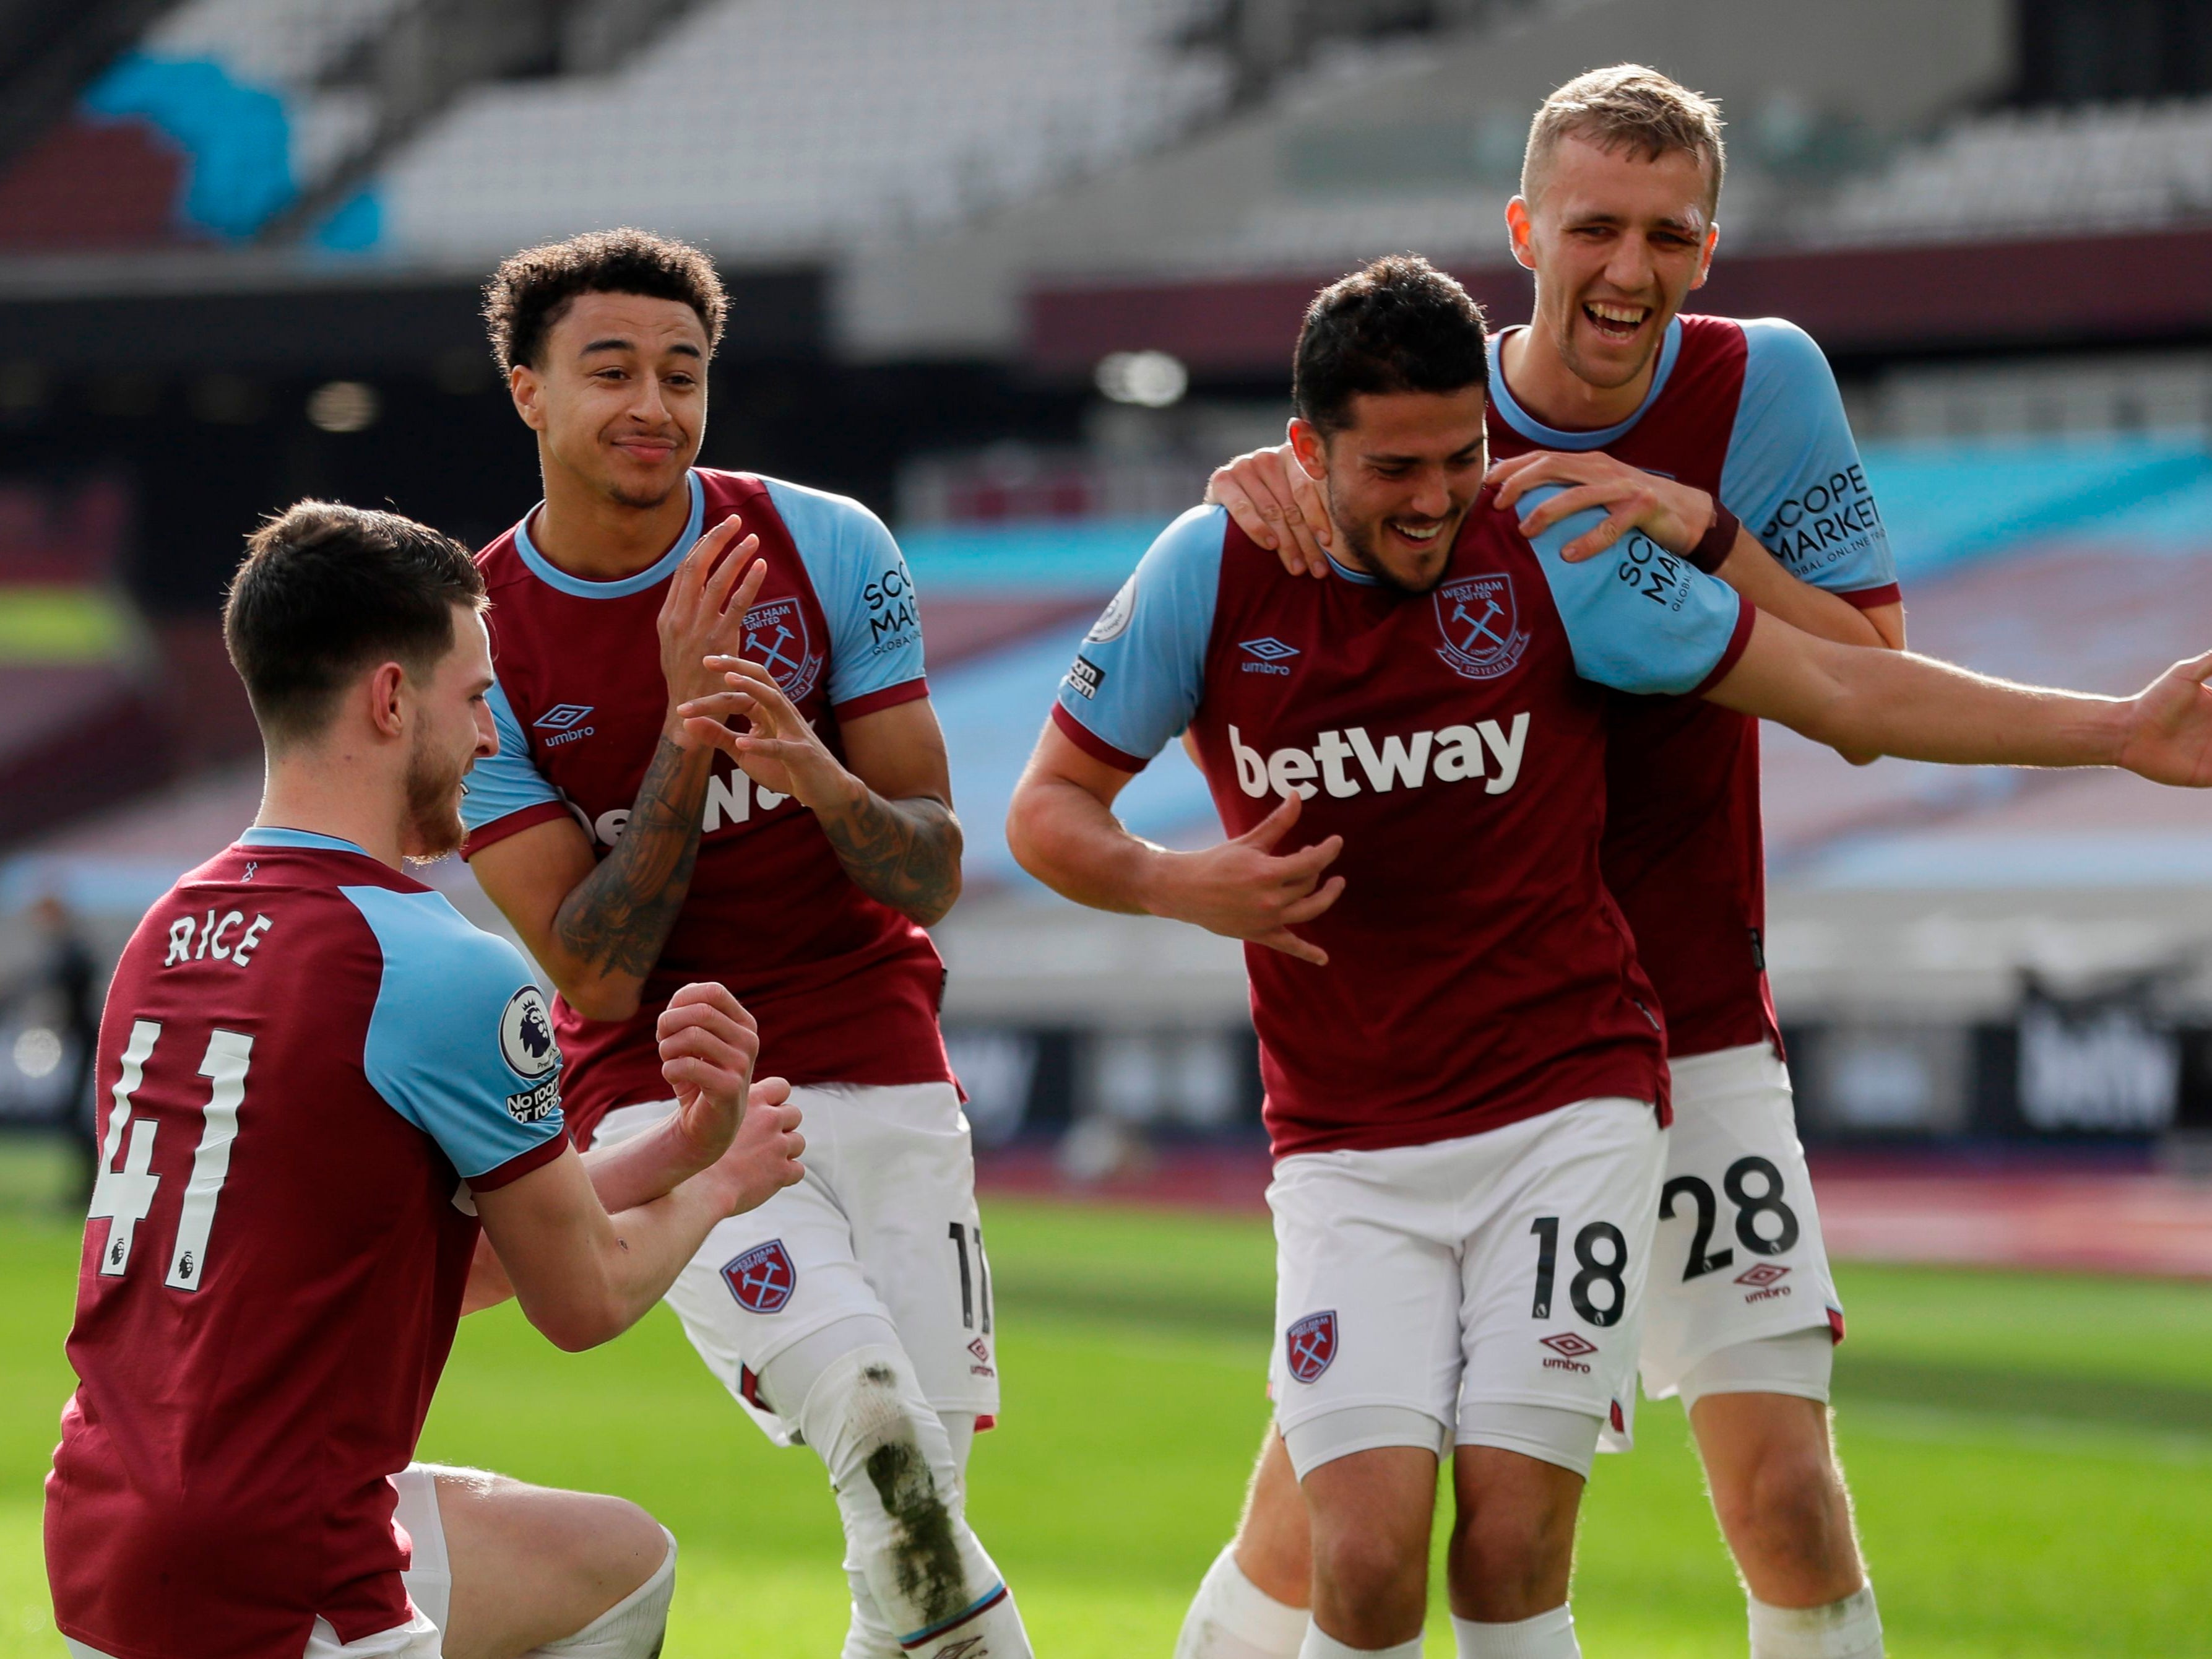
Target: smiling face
x=1399, y=479
x=619, y=396
x=1617, y=243
x=452, y=731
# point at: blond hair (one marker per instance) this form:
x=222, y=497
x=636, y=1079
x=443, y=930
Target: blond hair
x=1628, y=108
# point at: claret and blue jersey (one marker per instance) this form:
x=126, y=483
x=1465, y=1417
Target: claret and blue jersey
x=1479, y=974
x=770, y=913
x=1749, y=412
x=305, y=1056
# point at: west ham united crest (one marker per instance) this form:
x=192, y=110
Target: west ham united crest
x=1309, y=1345
x=776, y=638
x=763, y=1278
x=1481, y=626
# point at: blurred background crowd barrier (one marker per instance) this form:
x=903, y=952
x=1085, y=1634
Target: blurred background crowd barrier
x=1017, y=273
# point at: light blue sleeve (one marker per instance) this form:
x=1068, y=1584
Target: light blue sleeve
x=1140, y=672
x=508, y=781
x=861, y=577
x=1639, y=618
x=1793, y=474
x=461, y=1044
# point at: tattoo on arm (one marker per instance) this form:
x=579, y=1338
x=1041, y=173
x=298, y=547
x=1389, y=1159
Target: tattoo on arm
x=620, y=915
x=905, y=854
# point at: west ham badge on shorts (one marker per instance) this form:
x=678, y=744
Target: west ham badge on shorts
x=763, y=1278
x=1481, y=626
x=1309, y=1345
x=776, y=638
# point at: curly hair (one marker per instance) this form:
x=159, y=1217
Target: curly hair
x=531, y=290
x=1400, y=325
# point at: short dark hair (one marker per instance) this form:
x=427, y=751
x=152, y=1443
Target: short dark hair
x=1400, y=325
x=531, y=290
x=326, y=590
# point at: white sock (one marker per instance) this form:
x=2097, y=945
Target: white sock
x=1232, y=1618
x=1547, y=1636
x=900, y=1493
x=868, y=1634
x=1320, y=1645
x=1849, y=1629
x=632, y=1628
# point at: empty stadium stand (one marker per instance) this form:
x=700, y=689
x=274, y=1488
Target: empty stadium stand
x=2100, y=167
x=776, y=130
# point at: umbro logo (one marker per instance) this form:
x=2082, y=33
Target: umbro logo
x=1568, y=1348
x=1267, y=653
x=565, y=721
x=1765, y=1282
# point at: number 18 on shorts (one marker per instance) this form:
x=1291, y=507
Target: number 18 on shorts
x=1506, y=1268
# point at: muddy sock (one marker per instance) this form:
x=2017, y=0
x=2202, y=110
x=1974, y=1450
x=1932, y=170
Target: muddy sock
x=899, y=1493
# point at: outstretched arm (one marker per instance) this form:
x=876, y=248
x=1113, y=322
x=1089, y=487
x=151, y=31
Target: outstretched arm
x=597, y=925
x=1063, y=829
x=1896, y=703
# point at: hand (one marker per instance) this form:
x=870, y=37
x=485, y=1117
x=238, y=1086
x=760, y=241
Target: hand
x=763, y=1160
x=1242, y=891
x=779, y=750
x=703, y=616
x=2169, y=729
x=708, y=1043
x=1672, y=514
x=1278, y=505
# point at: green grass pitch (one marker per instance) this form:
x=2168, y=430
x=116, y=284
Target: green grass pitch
x=2030, y=1455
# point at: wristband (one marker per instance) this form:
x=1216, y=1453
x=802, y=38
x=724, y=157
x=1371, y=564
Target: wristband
x=1718, y=542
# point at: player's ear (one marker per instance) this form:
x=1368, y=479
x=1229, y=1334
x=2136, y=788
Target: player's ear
x=1517, y=234
x=1706, y=259
x=1309, y=447
x=526, y=386
x=388, y=691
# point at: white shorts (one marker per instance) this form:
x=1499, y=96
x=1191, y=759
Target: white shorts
x=428, y=1578
x=1506, y=1268
x=1739, y=1254
x=883, y=1224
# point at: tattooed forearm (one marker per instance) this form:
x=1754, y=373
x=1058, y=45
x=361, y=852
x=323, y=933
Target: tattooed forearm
x=904, y=853
x=619, y=916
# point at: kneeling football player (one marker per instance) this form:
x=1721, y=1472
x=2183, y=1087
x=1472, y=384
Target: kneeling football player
x=318, y=1083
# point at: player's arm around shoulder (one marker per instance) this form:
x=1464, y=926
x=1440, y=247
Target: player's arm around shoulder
x=1137, y=680
x=1686, y=522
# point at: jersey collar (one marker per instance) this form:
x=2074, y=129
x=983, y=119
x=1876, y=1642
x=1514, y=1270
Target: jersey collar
x=1552, y=437
x=270, y=835
x=658, y=571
